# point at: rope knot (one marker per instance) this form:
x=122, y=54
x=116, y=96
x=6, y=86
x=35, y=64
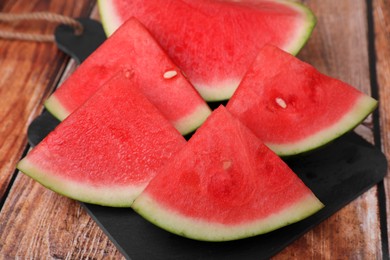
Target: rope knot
x=44, y=16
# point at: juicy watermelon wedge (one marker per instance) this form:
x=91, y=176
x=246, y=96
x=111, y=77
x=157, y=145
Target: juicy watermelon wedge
x=225, y=184
x=107, y=150
x=214, y=42
x=292, y=107
x=163, y=84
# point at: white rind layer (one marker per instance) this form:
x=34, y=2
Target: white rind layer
x=192, y=121
x=303, y=31
x=109, y=16
x=363, y=107
x=201, y=229
x=113, y=196
x=53, y=105
x=219, y=90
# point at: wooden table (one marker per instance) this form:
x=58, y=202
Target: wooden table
x=351, y=42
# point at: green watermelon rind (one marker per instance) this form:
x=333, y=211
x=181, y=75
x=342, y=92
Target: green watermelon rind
x=53, y=105
x=114, y=196
x=191, y=122
x=107, y=12
x=362, y=108
x=199, y=229
x=305, y=31
x=185, y=125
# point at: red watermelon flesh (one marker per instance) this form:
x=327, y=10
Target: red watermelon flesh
x=163, y=84
x=214, y=42
x=108, y=149
x=294, y=108
x=225, y=184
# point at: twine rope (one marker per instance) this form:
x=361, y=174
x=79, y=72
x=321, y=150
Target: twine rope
x=43, y=16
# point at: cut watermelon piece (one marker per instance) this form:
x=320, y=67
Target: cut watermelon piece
x=162, y=81
x=107, y=150
x=292, y=107
x=225, y=184
x=214, y=42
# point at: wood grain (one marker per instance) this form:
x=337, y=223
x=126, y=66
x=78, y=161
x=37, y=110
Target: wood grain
x=381, y=14
x=46, y=225
x=29, y=71
x=339, y=48
x=36, y=223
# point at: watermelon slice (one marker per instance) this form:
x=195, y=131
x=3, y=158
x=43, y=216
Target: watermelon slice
x=214, y=42
x=162, y=81
x=107, y=150
x=225, y=184
x=292, y=107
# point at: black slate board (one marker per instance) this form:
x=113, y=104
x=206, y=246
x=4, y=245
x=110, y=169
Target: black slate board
x=337, y=173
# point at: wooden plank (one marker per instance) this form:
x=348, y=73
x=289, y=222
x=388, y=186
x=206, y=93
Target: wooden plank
x=46, y=225
x=28, y=72
x=381, y=14
x=339, y=48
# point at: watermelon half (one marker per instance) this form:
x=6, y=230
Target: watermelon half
x=294, y=108
x=215, y=41
x=108, y=149
x=225, y=184
x=162, y=81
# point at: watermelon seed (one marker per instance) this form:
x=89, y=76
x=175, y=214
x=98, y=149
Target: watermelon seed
x=226, y=164
x=281, y=102
x=128, y=73
x=170, y=74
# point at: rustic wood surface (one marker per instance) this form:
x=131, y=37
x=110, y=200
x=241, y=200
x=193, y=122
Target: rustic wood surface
x=351, y=42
